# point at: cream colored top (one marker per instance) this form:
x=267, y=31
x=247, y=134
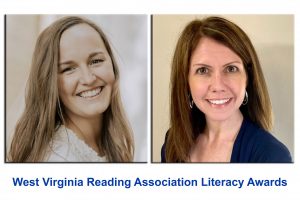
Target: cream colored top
x=67, y=147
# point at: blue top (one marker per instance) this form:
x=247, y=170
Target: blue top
x=254, y=145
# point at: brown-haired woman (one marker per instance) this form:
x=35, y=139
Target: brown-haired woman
x=73, y=109
x=220, y=107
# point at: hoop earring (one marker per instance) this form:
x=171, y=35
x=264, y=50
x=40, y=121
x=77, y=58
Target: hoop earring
x=245, y=101
x=191, y=102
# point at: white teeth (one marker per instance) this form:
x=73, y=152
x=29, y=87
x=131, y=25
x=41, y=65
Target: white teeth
x=90, y=93
x=219, y=101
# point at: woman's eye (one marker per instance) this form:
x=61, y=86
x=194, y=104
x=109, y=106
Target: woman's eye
x=231, y=68
x=96, y=61
x=68, y=69
x=202, y=70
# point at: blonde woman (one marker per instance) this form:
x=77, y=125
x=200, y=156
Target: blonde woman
x=73, y=109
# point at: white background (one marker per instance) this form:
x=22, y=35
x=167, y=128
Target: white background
x=290, y=172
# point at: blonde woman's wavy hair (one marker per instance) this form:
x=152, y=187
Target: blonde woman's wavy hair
x=187, y=123
x=36, y=127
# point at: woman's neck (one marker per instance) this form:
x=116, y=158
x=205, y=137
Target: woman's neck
x=89, y=130
x=215, y=144
x=225, y=129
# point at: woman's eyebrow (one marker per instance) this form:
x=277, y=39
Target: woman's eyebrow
x=65, y=63
x=94, y=54
x=68, y=62
x=238, y=62
x=201, y=64
x=206, y=65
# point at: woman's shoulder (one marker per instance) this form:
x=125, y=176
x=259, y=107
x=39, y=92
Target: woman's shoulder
x=60, y=149
x=67, y=147
x=163, y=149
x=265, y=146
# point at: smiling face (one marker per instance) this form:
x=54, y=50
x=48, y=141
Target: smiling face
x=217, y=80
x=85, y=73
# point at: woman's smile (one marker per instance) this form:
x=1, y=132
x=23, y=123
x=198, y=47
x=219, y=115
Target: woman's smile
x=88, y=94
x=219, y=102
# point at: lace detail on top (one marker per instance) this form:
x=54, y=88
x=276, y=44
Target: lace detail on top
x=67, y=147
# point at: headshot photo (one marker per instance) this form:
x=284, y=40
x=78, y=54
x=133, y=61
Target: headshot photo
x=76, y=88
x=223, y=88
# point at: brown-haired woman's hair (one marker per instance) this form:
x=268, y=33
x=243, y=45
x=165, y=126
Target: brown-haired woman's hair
x=186, y=123
x=43, y=112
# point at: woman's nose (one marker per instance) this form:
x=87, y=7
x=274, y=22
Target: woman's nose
x=217, y=83
x=87, y=76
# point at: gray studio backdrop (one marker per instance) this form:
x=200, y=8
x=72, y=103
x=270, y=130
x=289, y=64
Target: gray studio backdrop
x=128, y=36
